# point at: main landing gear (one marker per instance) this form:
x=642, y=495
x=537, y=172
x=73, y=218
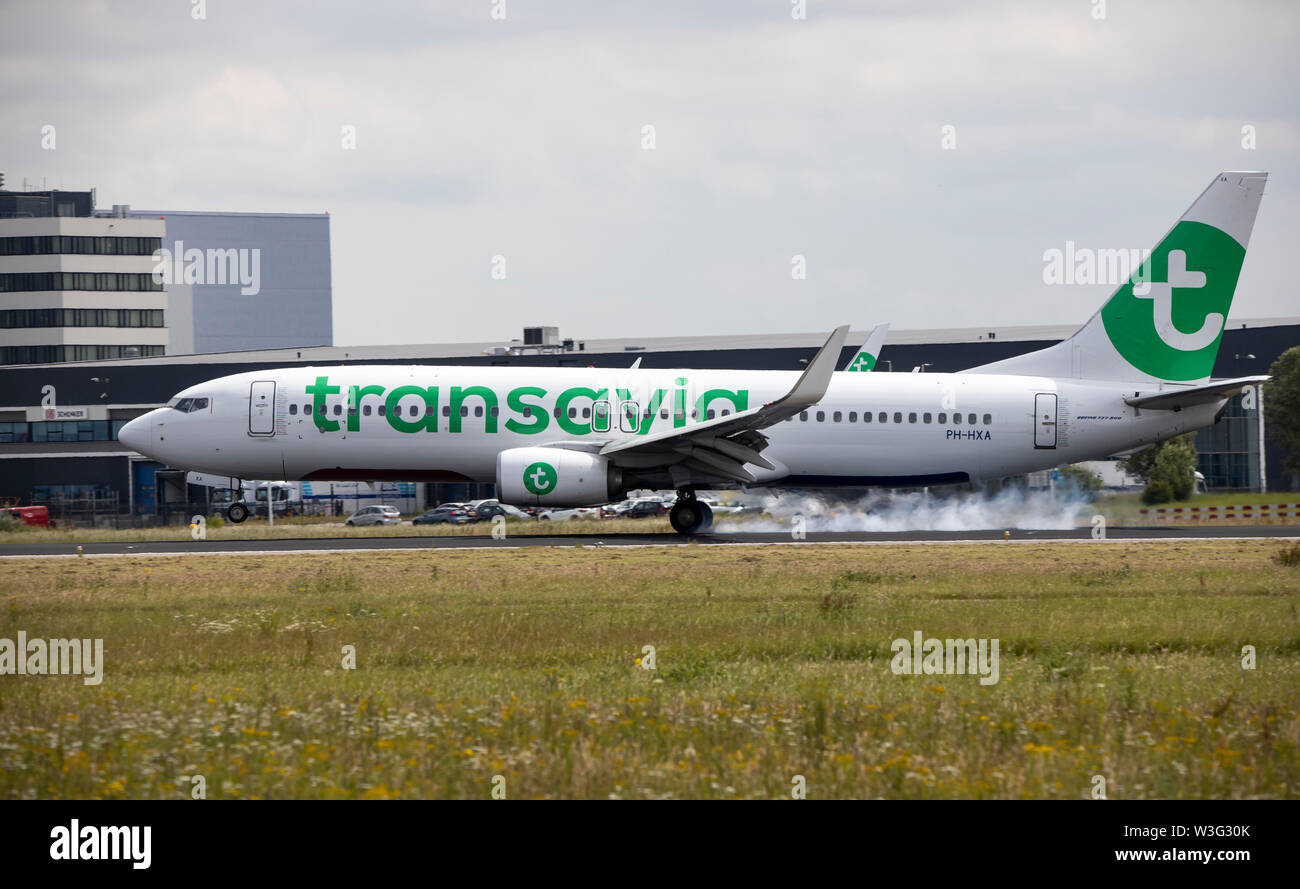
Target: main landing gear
x=688, y=515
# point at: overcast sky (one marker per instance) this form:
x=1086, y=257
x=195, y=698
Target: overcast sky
x=774, y=137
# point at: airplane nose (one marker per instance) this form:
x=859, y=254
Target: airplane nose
x=137, y=434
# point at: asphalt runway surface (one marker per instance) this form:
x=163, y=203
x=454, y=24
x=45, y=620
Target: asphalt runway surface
x=374, y=544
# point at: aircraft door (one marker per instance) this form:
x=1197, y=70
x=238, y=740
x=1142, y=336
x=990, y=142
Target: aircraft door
x=261, y=408
x=1045, y=420
x=628, y=419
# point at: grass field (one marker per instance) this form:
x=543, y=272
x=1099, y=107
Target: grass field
x=1117, y=659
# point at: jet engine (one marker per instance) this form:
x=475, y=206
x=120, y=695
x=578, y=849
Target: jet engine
x=556, y=477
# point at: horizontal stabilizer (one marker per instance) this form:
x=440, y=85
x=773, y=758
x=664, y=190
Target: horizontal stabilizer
x=1191, y=396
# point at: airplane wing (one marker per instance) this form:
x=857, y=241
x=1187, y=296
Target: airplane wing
x=1190, y=396
x=865, y=359
x=722, y=446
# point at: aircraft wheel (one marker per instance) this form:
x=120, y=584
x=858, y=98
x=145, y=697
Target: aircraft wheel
x=237, y=512
x=690, y=516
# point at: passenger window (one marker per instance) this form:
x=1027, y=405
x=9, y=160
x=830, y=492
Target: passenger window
x=464, y=411
x=970, y=418
x=925, y=417
x=710, y=415
x=322, y=410
x=365, y=410
x=956, y=418
x=866, y=416
x=726, y=413
x=853, y=416
x=557, y=413
x=803, y=416
x=837, y=416
x=883, y=417
x=430, y=410
x=293, y=410
x=383, y=410
x=496, y=411
x=898, y=416
x=663, y=415
x=414, y=410
x=988, y=419
x=586, y=412
x=943, y=419
x=478, y=411
x=352, y=410
x=338, y=410
x=911, y=418
x=821, y=416
x=306, y=409
x=573, y=413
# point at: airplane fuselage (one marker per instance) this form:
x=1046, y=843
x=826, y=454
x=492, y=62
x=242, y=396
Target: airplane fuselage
x=450, y=422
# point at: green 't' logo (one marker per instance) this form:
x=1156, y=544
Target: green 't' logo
x=864, y=362
x=539, y=478
x=1167, y=320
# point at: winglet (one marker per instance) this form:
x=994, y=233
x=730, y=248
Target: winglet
x=816, y=377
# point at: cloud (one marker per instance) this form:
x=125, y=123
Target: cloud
x=774, y=137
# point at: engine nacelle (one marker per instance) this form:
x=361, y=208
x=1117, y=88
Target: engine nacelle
x=556, y=477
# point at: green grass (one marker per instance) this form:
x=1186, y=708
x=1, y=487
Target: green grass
x=1118, y=659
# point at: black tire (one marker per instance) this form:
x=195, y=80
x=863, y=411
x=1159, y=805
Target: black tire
x=686, y=516
x=236, y=512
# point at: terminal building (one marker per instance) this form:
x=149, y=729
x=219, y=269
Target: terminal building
x=81, y=284
x=46, y=456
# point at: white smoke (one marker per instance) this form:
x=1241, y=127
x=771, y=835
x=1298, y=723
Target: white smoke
x=915, y=511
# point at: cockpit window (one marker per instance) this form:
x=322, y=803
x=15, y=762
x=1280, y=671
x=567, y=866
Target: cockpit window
x=189, y=405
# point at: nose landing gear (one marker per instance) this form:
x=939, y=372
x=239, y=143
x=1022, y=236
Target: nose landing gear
x=237, y=511
x=689, y=515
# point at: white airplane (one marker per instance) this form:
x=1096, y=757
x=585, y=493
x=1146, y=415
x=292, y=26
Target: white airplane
x=1138, y=372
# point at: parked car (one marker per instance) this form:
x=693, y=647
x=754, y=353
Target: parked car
x=563, y=515
x=443, y=515
x=645, y=508
x=375, y=515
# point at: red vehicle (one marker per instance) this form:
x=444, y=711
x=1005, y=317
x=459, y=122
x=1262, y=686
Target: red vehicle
x=30, y=515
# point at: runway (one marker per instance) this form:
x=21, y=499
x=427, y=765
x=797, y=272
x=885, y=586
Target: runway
x=380, y=544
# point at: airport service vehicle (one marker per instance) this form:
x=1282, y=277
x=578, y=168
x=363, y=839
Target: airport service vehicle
x=443, y=515
x=1137, y=372
x=36, y=516
x=375, y=515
